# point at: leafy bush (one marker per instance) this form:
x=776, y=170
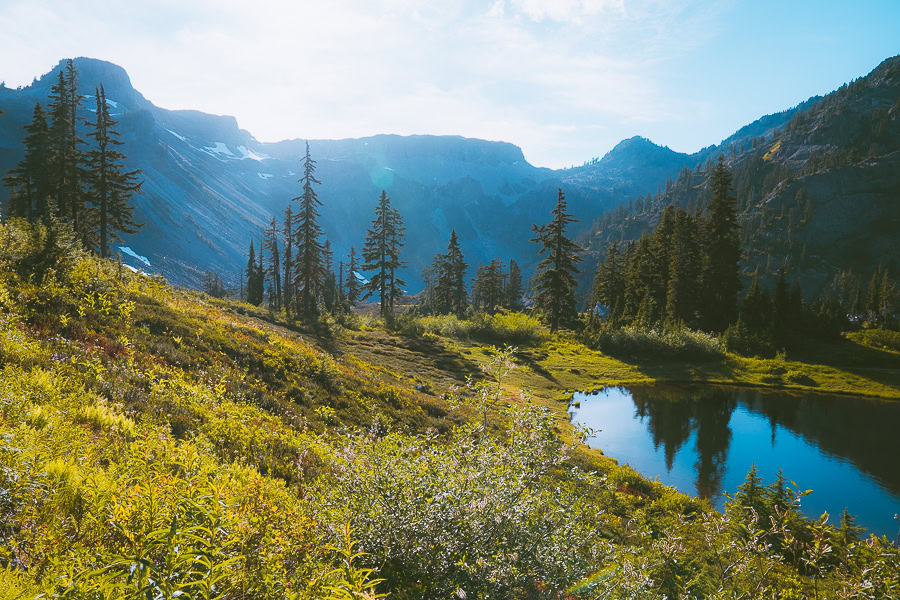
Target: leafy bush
x=884, y=339
x=503, y=327
x=636, y=342
x=34, y=250
x=471, y=515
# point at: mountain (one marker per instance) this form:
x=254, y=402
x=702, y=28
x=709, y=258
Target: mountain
x=817, y=187
x=210, y=187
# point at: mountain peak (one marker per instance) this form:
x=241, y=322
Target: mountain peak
x=91, y=73
x=640, y=150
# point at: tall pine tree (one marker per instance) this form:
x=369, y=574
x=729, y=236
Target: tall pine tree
x=287, y=280
x=353, y=285
x=513, y=291
x=609, y=285
x=683, y=272
x=273, y=271
x=111, y=186
x=555, y=282
x=29, y=181
x=66, y=158
x=254, y=278
x=309, y=268
x=381, y=254
x=721, y=274
x=450, y=289
x=487, y=287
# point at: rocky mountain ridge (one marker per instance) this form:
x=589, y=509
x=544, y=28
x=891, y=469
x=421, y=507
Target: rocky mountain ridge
x=210, y=187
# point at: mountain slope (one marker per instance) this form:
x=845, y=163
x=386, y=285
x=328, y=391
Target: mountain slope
x=210, y=187
x=818, y=190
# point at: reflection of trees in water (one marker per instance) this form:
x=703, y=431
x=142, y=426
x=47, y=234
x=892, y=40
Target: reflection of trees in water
x=711, y=419
x=669, y=422
x=862, y=431
x=672, y=414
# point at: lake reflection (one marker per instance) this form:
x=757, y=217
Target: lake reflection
x=703, y=440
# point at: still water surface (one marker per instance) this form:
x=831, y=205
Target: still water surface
x=703, y=440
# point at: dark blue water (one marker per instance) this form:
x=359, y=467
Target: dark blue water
x=703, y=440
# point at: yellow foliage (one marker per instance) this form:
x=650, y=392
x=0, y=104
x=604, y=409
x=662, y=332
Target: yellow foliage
x=772, y=151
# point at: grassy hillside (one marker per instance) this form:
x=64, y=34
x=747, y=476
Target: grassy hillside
x=160, y=444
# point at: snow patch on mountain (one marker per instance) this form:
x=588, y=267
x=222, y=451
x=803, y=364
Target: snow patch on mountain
x=134, y=254
x=360, y=278
x=109, y=102
x=247, y=153
x=220, y=148
x=179, y=136
x=265, y=175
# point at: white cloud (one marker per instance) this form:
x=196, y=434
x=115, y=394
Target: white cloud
x=564, y=79
x=567, y=10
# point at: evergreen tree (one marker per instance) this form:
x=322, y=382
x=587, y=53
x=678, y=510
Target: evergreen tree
x=487, y=287
x=111, y=187
x=329, y=289
x=609, y=285
x=353, y=285
x=752, y=493
x=66, y=172
x=638, y=300
x=513, y=291
x=555, y=282
x=660, y=261
x=273, y=271
x=684, y=272
x=254, y=279
x=721, y=275
x=398, y=234
x=213, y=285
x=287, y=279
x=426, y=304
x=260, y=291
x=756, y=310
x=450, y=291
x=781, y=308
x=381, y=254
x=310, y=266
x=28, y=182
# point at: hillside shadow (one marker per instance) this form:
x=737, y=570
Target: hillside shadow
x=679, y=369
x=528, y=360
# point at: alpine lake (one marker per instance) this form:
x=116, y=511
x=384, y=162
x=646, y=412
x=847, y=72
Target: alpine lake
x=704, y=439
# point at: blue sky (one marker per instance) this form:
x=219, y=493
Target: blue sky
x=564, y=79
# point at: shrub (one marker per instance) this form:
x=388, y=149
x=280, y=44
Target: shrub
x=884, y=339
x=510, y=328
x=636, y=342
x=470, y=515
x=503, y=327
x=34, y=250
